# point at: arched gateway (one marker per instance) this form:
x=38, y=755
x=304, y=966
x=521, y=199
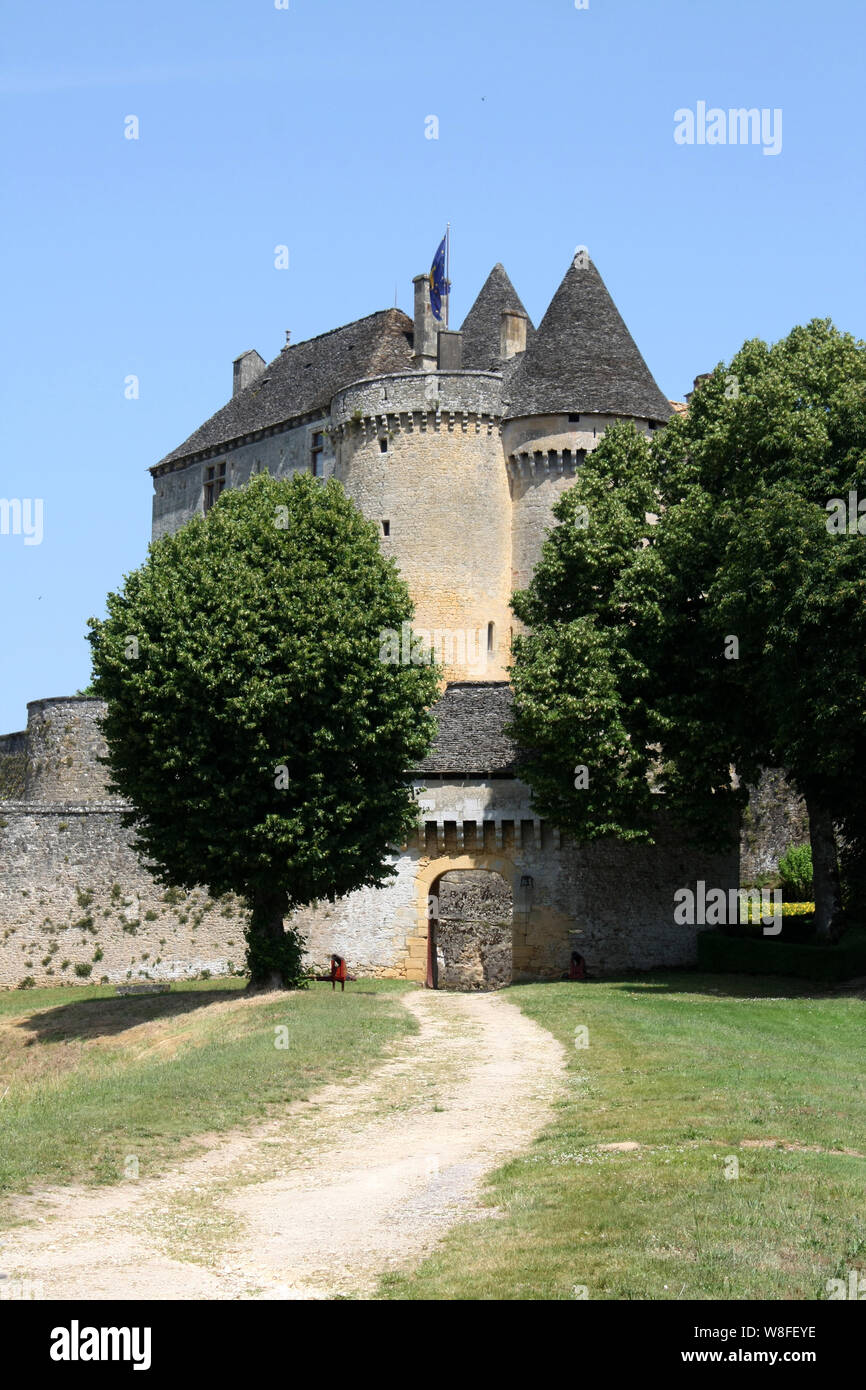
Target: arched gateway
x=470, y=931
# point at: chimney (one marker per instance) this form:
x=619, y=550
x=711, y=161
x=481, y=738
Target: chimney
x=450, y=350
x=512, y=333
x=704, y=376
x=425, y=357
x=245, y=369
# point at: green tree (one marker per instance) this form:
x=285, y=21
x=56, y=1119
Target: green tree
x=251, y=723
x=731, y=629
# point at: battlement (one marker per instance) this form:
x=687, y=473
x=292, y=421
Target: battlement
x=419, y=401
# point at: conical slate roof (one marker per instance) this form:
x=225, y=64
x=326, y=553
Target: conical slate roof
x=583, y=358
x=481, y=325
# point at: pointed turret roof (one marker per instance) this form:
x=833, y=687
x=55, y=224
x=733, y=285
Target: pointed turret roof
x=583, y=358
x=481, y=325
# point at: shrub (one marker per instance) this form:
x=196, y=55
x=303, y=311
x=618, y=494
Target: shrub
x=27, y=983
x=828, y=964
x=795, y=871
x=83, y=968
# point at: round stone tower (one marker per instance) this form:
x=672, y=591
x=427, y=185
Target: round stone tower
x=580, y=373
x=63, y=743
x=420, y=454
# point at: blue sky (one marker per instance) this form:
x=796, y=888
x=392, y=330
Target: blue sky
x=306, y=127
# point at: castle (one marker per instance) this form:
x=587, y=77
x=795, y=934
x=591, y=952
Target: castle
x=456, y=443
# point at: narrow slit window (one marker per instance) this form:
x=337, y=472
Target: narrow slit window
x=317, y=454
x=383, y=444
x=491, y=637
x=386, y=528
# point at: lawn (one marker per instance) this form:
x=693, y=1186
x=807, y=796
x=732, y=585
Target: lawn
x=709, y=1077
x=88, y=1079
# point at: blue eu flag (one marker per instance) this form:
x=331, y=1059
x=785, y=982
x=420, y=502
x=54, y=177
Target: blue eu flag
x=439, y=286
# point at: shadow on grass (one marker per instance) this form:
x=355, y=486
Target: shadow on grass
x=105, y=1017
x=729, y=986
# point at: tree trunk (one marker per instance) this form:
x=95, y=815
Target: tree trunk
x=266, y=935
x=825, y=872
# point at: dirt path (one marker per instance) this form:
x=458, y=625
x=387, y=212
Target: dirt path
x=362, y=1178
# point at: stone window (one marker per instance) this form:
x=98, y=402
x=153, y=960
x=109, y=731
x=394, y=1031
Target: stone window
x=214, y=483
x=383, y=444
x=574, y=419
x=386, y=528
x=491, y=637
x=317, y=455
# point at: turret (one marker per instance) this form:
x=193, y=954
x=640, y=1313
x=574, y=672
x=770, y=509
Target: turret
x=581, y=372
x=420, y=454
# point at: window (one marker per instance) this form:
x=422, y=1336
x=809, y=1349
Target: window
x=214, y=483
x=317, y=455
x=491, y=637
x=386, y=528
x=574, y=419
x=383, y=445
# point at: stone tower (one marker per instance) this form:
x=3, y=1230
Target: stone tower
x=581, y=372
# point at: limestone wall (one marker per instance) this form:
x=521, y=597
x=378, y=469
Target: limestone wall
x=64, y=744
x=612, y=902
x=77, y=907
x=774, y=819
x=543, y=454
x=178, y=491
x=422, y=453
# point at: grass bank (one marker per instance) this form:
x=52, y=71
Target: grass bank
x=736, y=1099
x=89, y=1080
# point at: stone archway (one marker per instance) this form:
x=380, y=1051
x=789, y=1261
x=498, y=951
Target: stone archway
x=470, y=930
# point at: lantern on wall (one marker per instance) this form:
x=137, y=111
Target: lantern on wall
x=525, y=893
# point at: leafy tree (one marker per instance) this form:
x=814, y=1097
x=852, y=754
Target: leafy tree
x=251, y=723
x=731, y=632
x=795, y=871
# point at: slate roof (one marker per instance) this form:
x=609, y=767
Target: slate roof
x=305, y=376
x=583, y=358
x=481, y=326
x=470, y=740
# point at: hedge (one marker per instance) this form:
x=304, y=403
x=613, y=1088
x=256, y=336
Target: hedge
x=844, y=960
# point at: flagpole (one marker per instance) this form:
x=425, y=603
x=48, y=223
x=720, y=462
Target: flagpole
x=447, y=270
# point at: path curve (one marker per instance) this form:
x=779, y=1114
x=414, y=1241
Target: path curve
x=361, y=1179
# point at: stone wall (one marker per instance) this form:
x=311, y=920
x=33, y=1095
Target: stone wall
x=13, y=765
x=64, y=744
x=472, y=925
x=612, y=902
x=774, y=819
x=77, y=906
x=179, y=491
x=421, y=456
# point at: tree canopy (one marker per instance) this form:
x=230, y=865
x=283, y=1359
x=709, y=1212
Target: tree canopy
x=699, y=608
x=251, y=723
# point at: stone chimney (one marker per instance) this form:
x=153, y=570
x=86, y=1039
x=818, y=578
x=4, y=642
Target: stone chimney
x=512, y=333
x=704, y=376
x=450, y=350
x=245, y=369
x=426, y=354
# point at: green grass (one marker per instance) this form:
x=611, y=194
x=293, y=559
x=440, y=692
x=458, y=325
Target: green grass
x=687, y=1066
x=93, y=1079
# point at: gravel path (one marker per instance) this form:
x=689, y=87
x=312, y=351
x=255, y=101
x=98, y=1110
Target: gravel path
x=363, y=1178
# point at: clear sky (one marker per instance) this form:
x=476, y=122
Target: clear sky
x=305, y=127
